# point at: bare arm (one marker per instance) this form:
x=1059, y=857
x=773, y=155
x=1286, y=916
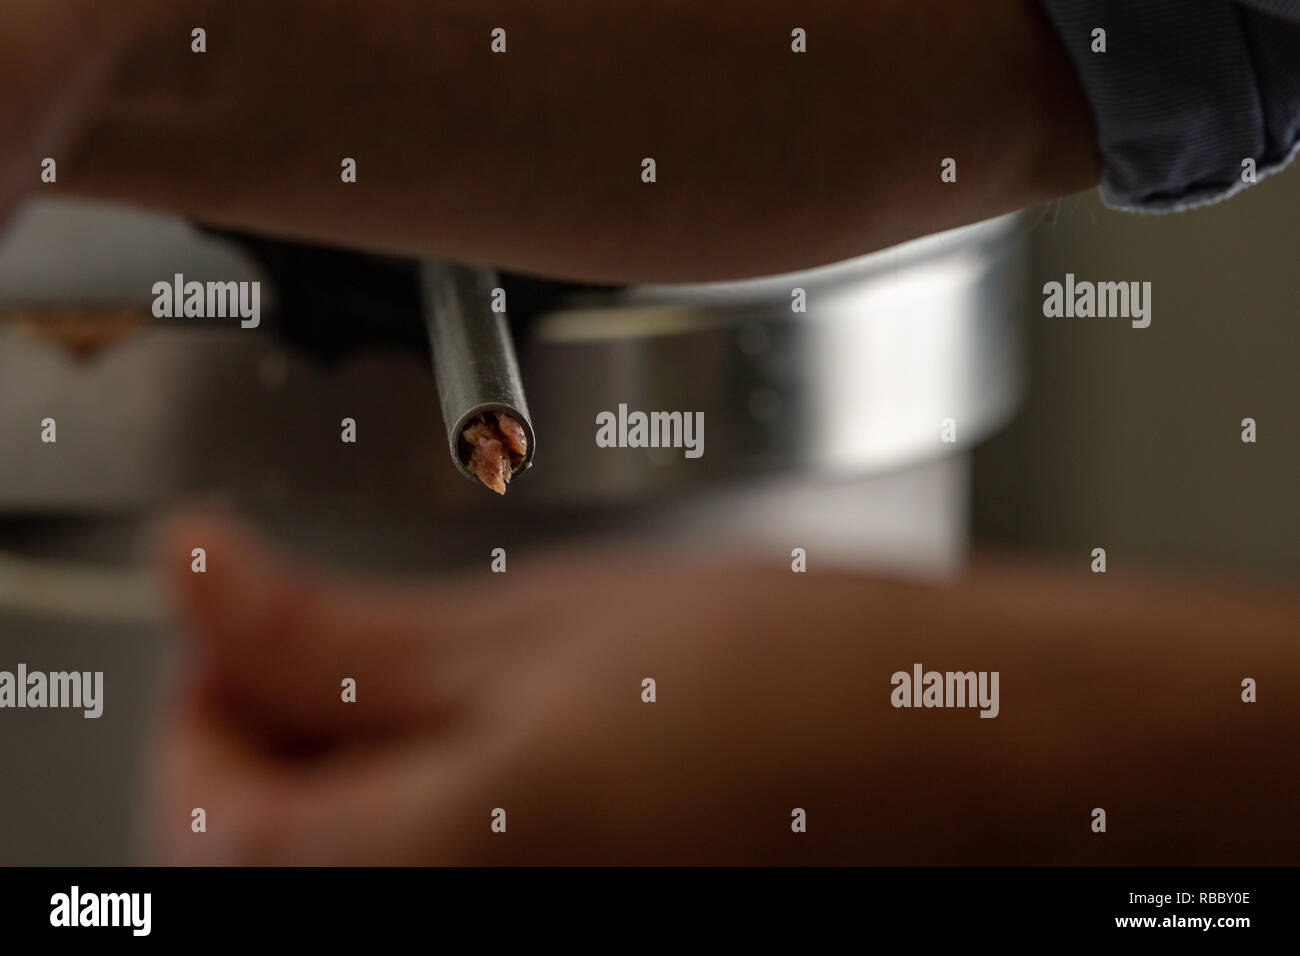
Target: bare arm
x=767, y=160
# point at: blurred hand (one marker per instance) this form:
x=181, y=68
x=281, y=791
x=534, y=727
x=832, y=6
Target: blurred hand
x=523, y=691
x=519, y=691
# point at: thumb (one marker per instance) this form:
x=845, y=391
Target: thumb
x=280, y=639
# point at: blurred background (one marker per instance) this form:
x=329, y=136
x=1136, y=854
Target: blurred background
x=1131, y=438
x=824, y=430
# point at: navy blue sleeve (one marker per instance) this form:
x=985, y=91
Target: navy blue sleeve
x=1185, y=92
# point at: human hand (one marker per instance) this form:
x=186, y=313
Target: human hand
x=523, y=692
x=520, y=691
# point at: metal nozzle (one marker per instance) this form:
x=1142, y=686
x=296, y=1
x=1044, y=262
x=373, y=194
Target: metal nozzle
x=473, y=354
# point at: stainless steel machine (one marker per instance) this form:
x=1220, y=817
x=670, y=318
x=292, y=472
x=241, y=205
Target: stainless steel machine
x=857, y=386
x=824, y=430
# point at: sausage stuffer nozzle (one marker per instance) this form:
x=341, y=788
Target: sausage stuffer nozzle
x=473, y=356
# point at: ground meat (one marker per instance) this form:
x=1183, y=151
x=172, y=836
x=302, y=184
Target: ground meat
x=493, y=446
x=513, y=432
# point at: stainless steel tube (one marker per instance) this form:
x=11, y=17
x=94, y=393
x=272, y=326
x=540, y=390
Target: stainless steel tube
x=473, y=355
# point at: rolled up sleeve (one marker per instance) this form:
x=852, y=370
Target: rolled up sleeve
x=1185, y=93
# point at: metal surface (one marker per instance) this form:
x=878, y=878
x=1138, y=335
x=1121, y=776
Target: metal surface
x=474, y=359
x=822, y=432
x=890, y=346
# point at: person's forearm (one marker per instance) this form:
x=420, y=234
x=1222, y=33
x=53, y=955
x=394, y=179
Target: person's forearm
x=56, y=60
x=1123, y=696
x=767, y=160
x=769, y=692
